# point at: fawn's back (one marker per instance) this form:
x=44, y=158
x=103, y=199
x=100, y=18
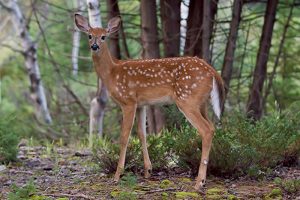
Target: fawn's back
x=161, y=80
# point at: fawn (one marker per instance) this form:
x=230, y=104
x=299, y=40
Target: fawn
x=189, y=82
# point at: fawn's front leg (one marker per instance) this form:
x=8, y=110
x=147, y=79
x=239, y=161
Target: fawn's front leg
x=127, y=123
x=141, y=118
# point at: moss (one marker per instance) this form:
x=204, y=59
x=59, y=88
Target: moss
x=164, y=196
x=214, y=197
x=232, y=197
x=277, y=181
x=38, y=197
x=165, y=184
x=63, y=198
x=185, y=180
x=215, y=190
x=216, y=193
x=185, y=195
x=276, y=193
x=114, y=193
x=124, y=195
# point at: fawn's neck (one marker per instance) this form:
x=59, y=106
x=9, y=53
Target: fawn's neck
x=103, y=63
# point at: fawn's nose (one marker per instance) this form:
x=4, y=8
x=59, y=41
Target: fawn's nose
x=94, y=47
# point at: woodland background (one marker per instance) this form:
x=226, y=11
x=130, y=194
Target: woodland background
x=47, y=79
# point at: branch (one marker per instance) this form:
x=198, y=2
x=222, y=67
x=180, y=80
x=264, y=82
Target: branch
x=56, y=68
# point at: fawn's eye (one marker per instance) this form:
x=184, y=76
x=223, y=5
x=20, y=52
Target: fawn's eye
x=103, y=37
x=90, y=36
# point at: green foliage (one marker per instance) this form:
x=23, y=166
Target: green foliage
x=243, y=146
x=106, y=153
x=239, y=147
x=22, y=193
x=8, y=139
x=129, y=180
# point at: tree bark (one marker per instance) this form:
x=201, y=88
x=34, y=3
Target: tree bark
x=31, y=63
x=76, y=39
x=113, y=10
x=170, y=19
x=102, y=96
x=254, y=107
x=280, y=49
x=193, y=41
x=150, y=45
x=209, y=11
x=200, y=27
x=231, y=44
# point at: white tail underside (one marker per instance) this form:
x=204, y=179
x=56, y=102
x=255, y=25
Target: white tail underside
x=215, y=99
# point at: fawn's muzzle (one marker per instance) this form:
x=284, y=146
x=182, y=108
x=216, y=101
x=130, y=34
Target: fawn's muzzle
x=94, y=47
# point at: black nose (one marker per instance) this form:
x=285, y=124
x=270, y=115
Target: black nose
x=95, y=47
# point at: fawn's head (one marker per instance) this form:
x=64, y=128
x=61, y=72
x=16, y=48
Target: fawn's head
x=97, y=36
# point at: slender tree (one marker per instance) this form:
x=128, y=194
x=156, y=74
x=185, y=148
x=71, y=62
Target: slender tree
x=102, y=96
x=194, y=27
x=231, y=43
x=31, y=63
x=254, y=107
x=113, y=10
x=209, y=12
x=200, y=27
x=170, y=19
x=150, y=45
x=76, y=38
x=280, y=49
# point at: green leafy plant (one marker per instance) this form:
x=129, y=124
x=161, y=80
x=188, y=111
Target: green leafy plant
x=22, y=193
x=8, y=140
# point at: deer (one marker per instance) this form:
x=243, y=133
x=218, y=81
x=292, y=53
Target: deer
x=189, y=82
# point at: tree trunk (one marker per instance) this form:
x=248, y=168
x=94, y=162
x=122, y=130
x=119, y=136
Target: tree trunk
x=151, y=50
x=170, y=18
x=231, y=44
x=32, y=67
x=95, y=21
x=76, y=39
x=254, y=107
x=280, y=49
x=113, y=10
x=193, y=41
x=209, y=12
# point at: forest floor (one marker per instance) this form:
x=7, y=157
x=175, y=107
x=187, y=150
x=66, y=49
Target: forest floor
x=64, y=173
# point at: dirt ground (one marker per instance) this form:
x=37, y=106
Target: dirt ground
x=63, y=173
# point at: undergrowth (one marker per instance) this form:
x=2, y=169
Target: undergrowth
x=8, y=139
x=240, y=147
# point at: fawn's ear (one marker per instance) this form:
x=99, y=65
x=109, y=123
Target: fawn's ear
x=82, y=23
x=113, y=25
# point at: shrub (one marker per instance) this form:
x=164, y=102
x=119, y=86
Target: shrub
x=106, y=154
x=8, y=140
x=239, y=147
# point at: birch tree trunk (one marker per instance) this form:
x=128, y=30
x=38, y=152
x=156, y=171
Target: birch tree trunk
x=102, y=97
x=231, y=43
x=76, y=38
x=37, y=92
x=254, y=107
x=155, y=118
